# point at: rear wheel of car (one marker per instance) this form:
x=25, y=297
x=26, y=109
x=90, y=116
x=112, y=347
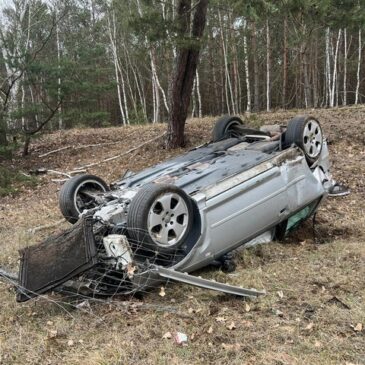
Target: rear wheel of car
x=78, y=194
x=306, y=133
x=226, y=127
x=160, y=218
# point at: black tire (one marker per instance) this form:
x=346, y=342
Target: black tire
x=225, y=127
x=145, y=204
x=71, y=198
x=299, y=133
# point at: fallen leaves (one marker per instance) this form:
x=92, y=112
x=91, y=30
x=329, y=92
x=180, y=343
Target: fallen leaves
x=231, y=326
x=358, y=327
x=52, y=334
x=317, y=344
x=130, y=270
x=278, y=312
x=167, y=336
x=231, y=347
x=70, y=343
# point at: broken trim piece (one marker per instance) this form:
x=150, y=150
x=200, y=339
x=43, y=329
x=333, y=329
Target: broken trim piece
x=206, y=284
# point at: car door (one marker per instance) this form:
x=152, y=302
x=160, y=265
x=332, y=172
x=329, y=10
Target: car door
x=240, y=212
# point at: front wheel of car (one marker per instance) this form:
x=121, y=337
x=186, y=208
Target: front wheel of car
x=306, y=133
x=226, y=127
x=78, y=194
x=160, y=218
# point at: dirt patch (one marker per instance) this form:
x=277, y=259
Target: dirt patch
x=299, y=321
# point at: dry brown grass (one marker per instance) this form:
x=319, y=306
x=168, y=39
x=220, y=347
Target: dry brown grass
x=323, y=285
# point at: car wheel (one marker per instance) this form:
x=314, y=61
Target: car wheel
x=78, y=194
x=160, y=218
x=306, y=133
x=225, y=128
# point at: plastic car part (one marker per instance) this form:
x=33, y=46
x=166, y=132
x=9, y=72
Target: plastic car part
x=306, y=133
x=225, y=127
x=56, y=260
x=160, y=217
x=206, y=284
x=79, y=194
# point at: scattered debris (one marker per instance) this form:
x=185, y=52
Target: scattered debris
x=46, y=226
x=70, y=343
x=279, y=313
x=338, y=302
x=309, y=327
x=8, y=275
x=130, y=270
x=83, y=305
x=52, y=334
x=79, y=147
x=181, y=338
x=55, y=151
x=162, y=292
x=280, y=294
x=167, y=336
x=358, y=327
x=231, y=347
x=121, y=154
x=231, y=326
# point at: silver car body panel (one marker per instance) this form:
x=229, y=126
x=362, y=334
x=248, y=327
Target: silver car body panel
x=240, y=208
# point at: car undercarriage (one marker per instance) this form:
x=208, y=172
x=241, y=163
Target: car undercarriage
x=247, y=186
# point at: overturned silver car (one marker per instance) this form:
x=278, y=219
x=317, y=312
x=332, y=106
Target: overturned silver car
x=182, y=214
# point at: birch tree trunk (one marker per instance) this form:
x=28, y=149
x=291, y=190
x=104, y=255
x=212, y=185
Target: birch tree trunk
x=229, y=92
x=268, y=65
x=285, y=63
x=328, y=68
x=304, y=57
x=345, y=50
x=59, y=84
x=256, y=87
x=334, y=77
x=248, y=109
x=193, y=99
x=156, y=86
x=137, y=81
x=13, y=73
x=117, y=68
x=198, y=93
x=358, y=71
x=315, y=74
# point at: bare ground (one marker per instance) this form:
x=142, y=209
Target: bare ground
x=314, y=312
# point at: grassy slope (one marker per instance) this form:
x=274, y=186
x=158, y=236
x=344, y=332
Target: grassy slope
x=306, y=324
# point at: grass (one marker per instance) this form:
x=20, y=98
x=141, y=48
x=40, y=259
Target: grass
x=12, y=181
x=316, y=292
x=302, y=326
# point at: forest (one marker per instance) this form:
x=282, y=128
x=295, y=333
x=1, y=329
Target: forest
x=102, y=106
x=95, y=63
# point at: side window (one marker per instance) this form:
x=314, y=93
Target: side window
x=302, y=215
